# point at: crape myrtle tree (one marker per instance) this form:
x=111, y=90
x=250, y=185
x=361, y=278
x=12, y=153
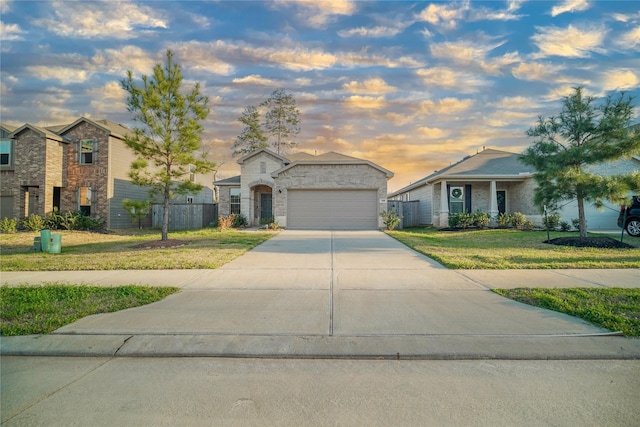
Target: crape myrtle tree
x=252, y=137
x=583, y=134
x=168, y=140
x=282, y=120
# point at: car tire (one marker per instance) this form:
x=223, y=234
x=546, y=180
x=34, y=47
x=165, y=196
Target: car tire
x=633, y=227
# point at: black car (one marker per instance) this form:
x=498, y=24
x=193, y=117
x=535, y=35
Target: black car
x=632, y=224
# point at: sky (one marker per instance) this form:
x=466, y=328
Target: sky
x=411, y=86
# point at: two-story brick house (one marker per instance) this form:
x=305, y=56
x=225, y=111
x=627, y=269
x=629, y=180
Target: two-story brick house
x=80, y=166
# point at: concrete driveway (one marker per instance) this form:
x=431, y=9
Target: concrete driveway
x=333, y=283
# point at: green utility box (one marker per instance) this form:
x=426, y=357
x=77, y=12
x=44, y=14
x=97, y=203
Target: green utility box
x=55, y=244
x=45, y=238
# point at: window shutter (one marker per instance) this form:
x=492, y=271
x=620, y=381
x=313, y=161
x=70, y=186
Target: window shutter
x=467, y=197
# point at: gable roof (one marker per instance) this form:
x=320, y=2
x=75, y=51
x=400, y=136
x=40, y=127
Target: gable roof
x=486, y=164
x=115, y=129
x=246, y=157
x=7, y=128
x=41, y=131
x=234, y=180
x=326, y=159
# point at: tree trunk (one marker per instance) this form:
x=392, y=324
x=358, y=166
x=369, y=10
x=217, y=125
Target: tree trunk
x=581, y=217
x=165, y=216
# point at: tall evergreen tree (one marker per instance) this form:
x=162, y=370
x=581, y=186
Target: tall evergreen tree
x=282, y=120
x=169, y=137
x=583, y=134
x=252, y=138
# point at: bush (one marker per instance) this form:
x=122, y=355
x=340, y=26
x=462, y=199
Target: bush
x=390, y=219
x=225, y=222
x=528, y=225
x=576, y=223
x=8, y=225
x=33, y=223
x=481, y=219
x=518, y=220
x=504, y=220
x=564, y=226
x=239, y=220
x=72, y=220
x=551, y=221
x=461, y=220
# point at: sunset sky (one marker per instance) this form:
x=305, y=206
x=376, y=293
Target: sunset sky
x=412, y=86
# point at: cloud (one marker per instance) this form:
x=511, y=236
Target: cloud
x=200, y=20
x=318, y=14
x=202, y=56
x=101, y=19
x=629, y=40
x=374, y=86
x=118, y=61
x=5, y=6
x=536, y=71
x=443, y=77
x=254, y=79
x=446, y=15
x=107, y=99
x=432, y=133
x=620, y=79
x=570, y=6
x=10, y=32
x=377, y=31
x=64, y=75
x=366, y=102
x=570, y=42
x=446, y=106
x=467, y=53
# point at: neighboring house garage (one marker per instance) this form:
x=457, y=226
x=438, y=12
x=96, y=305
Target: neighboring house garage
x=329, y=191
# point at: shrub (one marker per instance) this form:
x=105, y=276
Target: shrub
x=273, y=226
x=576, y=223
x=551, y=221
x=225, y=222
x=564, y=226
x=528, y=225
x=453, y=221
x=72, y=220
x=8, y=225
x=390, y=219
x=518, y=219
x=33, y=223
x=239, y=220
x=504, y=220
x=481, y=219
x=461, y=220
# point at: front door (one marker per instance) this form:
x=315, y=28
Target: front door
x=502, y=201
x=266, y=211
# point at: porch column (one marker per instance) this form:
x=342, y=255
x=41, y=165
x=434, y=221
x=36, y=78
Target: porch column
x=444, y=205
x=493, y=203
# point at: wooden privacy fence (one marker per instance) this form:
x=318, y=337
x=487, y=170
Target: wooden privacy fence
x=186, y=216
x=407, y=210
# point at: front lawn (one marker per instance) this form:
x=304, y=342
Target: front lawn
x=512, y=249
x=43, y=309
x=616, y=309
x=207, y=248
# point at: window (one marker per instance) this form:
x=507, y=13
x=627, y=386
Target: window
x=84, y=200
x=6, y=158
x=234, y=200
x=87, y=147
x=456, y=200
x=263, y=167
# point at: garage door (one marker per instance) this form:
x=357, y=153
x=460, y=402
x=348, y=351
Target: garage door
x=332, y=209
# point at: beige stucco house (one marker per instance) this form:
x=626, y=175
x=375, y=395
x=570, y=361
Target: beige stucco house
x=81, y=166
x=305, y=191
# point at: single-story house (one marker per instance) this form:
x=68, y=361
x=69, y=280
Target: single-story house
x=494, y=182
x=328, y=191
x=490, y=181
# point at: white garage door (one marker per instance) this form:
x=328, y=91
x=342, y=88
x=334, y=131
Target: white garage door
x=332, y=209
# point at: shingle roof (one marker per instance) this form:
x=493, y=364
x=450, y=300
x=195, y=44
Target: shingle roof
x=234, y=180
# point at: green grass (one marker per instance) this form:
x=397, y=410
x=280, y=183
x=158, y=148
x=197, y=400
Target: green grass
x=616, y=309
x=207, y=248
x=42, y=309
x=511, y=249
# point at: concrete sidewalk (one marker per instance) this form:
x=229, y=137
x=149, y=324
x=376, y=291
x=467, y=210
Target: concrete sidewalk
x=309, y=294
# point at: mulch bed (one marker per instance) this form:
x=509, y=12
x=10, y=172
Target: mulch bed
x=590, y=242
x=162, y=244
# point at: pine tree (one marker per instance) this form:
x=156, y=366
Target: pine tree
x=169, y=136
x=583, y=134
x=252, y=138
x=282, y=120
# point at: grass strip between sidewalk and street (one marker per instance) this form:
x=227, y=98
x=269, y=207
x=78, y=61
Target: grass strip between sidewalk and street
x=512, y=249
x=27, y=310
x=616, y=309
